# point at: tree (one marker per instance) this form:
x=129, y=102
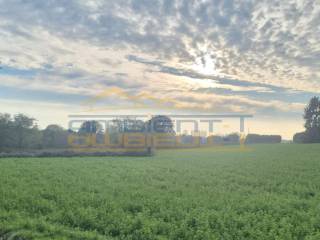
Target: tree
x=126, y=125
x=117, y=127
x=5, y=130
x=54, y=136
x=300, y=137
x=312, y=118
x=24, y=127
x=160, y=124
x=91, y=127
x=133, y=126
x=312, y=114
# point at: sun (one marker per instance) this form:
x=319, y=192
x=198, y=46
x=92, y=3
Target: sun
x=205, y=65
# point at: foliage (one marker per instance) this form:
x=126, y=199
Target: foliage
x=91, y=126
x=312, y=123
x=229, y=139
x=54, y=136
x=160, y=124
x=126, y=126
x=272, y=192
x=312, y=114
x=5, y=129
x=19, y=131
x=300, y=137
x=256, y=138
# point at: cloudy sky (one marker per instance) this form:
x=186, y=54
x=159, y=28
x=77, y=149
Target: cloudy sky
x=161, y=56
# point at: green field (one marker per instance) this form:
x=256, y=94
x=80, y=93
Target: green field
x=272, y=192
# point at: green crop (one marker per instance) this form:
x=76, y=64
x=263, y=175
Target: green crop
x=272, y=192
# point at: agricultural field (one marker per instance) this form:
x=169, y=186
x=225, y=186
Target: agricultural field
x=270, y=192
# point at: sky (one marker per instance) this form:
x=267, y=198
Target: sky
x=259, y=57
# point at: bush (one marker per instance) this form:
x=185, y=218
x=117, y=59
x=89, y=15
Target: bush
x=256, y=138
x=309, y=136
x=300, y=137
x=231, y=139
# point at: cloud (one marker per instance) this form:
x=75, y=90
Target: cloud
x=264, y=55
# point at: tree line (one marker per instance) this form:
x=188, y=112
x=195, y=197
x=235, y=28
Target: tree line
x=22, y=132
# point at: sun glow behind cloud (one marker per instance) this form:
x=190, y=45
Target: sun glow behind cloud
x=205, y=65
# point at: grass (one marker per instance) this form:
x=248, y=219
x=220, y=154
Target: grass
x=272, y=192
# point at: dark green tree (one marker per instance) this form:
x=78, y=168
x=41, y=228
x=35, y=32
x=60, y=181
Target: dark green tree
x=54, y=136
x=5, y=130
x=312, y=120
x=25, y=131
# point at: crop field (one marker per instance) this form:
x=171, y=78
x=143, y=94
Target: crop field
x=271, y=192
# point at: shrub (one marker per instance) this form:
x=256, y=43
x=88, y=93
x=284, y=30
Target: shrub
x=256, y=138
x=300, y=137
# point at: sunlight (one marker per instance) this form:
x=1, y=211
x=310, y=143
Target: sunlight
x=205, y=65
